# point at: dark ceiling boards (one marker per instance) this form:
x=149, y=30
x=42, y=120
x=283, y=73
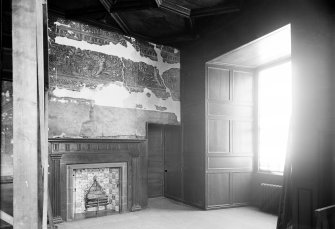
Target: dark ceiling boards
x=160, y=21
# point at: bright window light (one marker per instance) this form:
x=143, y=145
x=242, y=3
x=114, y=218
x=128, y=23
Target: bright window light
x=274, y=113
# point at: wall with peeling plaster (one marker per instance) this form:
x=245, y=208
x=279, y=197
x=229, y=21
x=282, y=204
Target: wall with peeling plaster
x=106, y=85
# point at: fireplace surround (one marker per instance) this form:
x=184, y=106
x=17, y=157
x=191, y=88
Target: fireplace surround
x=66, y=156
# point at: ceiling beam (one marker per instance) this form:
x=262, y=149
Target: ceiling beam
x=173, y=8
x=121, y=23
x=216, y=10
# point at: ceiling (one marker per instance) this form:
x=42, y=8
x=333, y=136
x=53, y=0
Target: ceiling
x=275, y=46
x=160, y=21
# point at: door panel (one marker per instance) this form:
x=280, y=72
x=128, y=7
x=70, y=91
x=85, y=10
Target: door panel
x=155, y=160
x=172, y=162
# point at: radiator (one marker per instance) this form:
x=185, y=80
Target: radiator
x=270, y=197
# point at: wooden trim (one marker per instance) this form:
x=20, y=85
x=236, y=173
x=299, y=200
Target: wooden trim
x=174, y=8
x=7, y=218
x=92, y=140
x=212, y=207
x=330, y=208
x=121, y=23
x=229, y=66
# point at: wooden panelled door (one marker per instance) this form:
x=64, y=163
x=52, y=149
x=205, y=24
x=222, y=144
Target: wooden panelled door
x=172, y=162
x=164, y=161
x=155, y=160
x=230, y=135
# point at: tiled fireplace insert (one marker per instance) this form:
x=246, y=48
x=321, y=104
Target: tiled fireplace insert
x=96, y=177
x=97, y=189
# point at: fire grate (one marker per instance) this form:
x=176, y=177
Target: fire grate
x=95, y=196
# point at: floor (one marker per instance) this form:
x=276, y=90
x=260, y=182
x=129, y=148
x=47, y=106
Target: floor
x=164, y=213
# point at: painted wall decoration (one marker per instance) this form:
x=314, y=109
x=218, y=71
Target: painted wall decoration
x=6, y=130
x=104, y=84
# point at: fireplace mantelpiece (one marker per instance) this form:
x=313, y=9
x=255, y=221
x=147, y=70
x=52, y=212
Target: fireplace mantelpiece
x=64, y=152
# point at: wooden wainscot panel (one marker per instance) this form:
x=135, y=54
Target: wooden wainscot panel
x=243, y=163
x=218, y=189
x=64, y=152
x=241, y=183
x=242, y=87
x=230, y=110
x=218, y=82
x=218, y=135
x=242, y=137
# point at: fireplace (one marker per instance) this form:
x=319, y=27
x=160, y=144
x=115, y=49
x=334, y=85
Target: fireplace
x=96, y=177
x=97, y=189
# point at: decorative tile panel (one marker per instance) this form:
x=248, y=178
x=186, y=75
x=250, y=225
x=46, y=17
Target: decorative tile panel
x=107, y=178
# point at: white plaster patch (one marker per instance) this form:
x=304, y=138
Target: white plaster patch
x=119, y=50
x=57, y=23
x=116, y=95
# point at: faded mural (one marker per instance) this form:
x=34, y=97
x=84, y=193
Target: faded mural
x=103, y=84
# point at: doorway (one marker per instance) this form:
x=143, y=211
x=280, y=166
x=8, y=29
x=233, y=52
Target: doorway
x=164, y=161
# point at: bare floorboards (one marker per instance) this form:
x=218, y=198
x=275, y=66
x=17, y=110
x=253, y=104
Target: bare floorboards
x=164, y=213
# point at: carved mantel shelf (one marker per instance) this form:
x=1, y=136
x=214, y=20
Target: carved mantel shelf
x=96, y=140
x=69, y=151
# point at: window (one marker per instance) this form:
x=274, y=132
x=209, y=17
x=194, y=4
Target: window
x=274, y=112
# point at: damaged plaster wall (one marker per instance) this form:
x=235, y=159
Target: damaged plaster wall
x=107, y=85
